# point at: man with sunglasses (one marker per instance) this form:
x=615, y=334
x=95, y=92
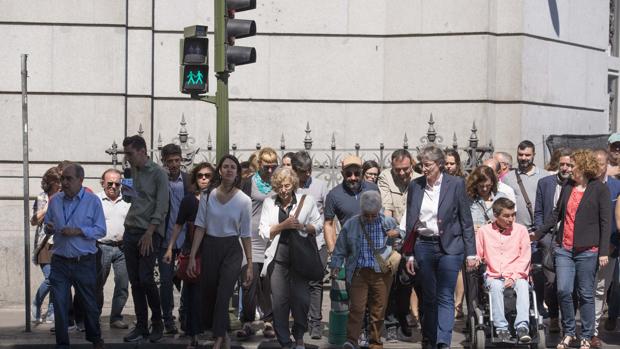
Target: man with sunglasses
x=179, y=186
x=393, y=184
x=343, y=201
x=110, y=246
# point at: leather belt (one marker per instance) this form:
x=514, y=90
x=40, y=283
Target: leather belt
x=429, y=238
x=74, y=259
x=111, y=243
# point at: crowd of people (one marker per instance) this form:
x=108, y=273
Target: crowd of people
x=406, y=237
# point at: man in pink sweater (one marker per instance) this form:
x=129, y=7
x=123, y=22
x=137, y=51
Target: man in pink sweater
x=504, y=246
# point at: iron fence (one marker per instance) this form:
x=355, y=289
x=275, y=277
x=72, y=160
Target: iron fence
x=326, y=161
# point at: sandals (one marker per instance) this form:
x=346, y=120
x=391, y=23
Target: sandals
x=268, y=331
x=585, y=344
x=245, y=332
x=565, y=343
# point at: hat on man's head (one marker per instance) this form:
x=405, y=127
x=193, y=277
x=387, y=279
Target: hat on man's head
x=351, y=160
x=615, y=137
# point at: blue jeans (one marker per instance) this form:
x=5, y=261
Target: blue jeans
x=43, y=290
x=112, y=256
x=438, y=273
x=166, y=287
x=496, y=291
x=82, y=275
x=580, y=268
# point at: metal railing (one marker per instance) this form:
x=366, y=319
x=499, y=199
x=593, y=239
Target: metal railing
x=326, y=161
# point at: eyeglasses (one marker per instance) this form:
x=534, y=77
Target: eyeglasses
x=269, y=167
x=428, y=166
x=204, y=175
x=350, y=173
x=113, y=184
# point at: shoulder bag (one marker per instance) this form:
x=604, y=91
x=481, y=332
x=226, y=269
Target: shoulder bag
x=304, y=256
x=388, y=263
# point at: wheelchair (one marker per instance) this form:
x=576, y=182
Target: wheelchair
x=481, y=331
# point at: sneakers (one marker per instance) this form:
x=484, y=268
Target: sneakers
x=119, y=324
x=523, y=334
x=363, y=340
x=554, y=325
x=49, y=318
x=157, y=332
x=503, y=334
x=391, y=335
x=316, y=332
x=136, y=335
x=35, y=313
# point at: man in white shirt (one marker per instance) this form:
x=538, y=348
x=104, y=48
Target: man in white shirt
x=115, y=211
x=501, y=186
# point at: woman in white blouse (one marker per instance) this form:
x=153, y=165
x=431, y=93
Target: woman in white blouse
x=223, y=217
x=289, y=291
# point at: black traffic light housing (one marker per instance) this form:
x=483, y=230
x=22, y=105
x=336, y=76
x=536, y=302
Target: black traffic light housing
x=194, y=70
x=238, y=29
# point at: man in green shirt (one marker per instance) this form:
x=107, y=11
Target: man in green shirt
x=144, y=231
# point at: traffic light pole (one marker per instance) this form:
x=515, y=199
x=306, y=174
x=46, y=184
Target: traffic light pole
x=221, y=96
x=222, y=143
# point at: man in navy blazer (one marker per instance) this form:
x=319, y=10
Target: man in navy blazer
x=604, y=275
x=547, y=194
x=440, y=226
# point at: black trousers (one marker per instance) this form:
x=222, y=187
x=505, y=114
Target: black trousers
x=257, y=294
x=221, y=265
x=140, y=270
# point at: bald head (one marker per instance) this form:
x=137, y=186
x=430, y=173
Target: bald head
x=493, y=164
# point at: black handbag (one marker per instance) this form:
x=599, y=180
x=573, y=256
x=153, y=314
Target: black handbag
x=304, y=256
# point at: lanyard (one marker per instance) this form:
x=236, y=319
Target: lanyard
x=64, y=211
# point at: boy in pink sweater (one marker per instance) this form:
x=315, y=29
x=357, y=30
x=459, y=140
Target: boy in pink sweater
x=504, y=246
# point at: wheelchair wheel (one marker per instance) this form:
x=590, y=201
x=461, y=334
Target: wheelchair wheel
x=481, y=338
x=542, y=340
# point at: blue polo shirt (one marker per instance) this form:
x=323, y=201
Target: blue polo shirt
x=82, y=211
x=343, y=203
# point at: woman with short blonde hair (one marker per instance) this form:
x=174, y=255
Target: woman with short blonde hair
x=290, y=291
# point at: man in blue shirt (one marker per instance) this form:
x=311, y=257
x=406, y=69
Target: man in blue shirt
x=179, y=186
x=76, y=219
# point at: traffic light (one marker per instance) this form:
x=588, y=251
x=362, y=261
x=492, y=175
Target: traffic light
x=194, y=58
x=237, y=29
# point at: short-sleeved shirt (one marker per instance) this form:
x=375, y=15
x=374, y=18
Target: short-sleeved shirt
x=343, y=203
x=223, y=220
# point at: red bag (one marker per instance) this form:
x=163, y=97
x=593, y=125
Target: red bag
x=182, y=263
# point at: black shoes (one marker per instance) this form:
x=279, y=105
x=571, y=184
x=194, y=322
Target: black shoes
x=171, y=329
x=136, y=335
x=157, y=332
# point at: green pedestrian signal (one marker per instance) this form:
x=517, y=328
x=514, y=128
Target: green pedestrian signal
x=194, y=57
x=195, y=79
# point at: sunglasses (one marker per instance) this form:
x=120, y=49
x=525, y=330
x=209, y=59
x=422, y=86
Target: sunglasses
x=269, y=167
x=204, y=175
x=349, y=173
x=113, y=184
